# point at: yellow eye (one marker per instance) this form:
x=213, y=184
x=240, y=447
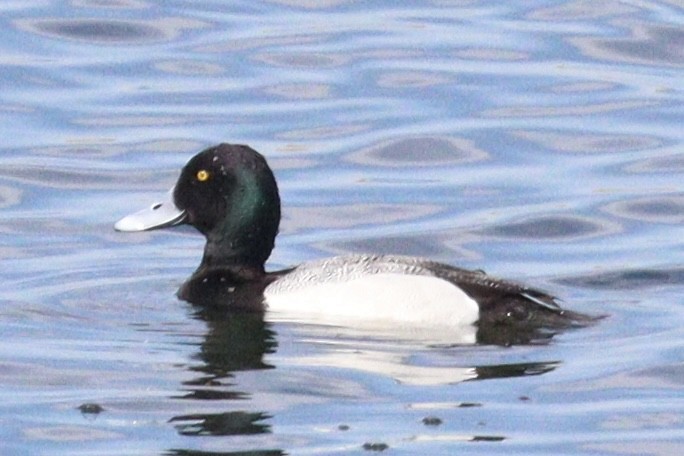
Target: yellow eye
x=202, y=175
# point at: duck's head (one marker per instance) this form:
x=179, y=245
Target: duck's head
x=229, y=193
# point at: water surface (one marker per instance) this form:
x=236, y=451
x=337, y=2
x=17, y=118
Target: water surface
x=539, y=140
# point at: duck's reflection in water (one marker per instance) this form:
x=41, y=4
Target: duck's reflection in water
x=234, y=342
x=239, y=342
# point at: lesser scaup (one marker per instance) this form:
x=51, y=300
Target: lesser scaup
x=228, y=192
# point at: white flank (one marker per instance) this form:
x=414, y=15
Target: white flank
x=384, y=299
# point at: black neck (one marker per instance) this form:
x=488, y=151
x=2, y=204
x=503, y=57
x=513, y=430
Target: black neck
x=246, y=251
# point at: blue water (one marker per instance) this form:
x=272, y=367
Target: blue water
x=539, y=140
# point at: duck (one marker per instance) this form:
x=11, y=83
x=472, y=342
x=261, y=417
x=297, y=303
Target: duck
x=229, y=194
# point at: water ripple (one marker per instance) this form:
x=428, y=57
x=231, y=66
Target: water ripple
x=547, y=227
x=586, y=142
x=9, y=196
x=108, y=31
x=312, y=60
x=111, y=4
x=420, y=151
x=571, y=110
x=300, y=91
x=582, y=9
x=664, y=164
x=630, y=279
x=655, y=209
x=412, y=79
x=648, y=44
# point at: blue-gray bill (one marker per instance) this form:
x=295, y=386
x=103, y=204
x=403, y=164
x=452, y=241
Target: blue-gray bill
x=158, y=215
